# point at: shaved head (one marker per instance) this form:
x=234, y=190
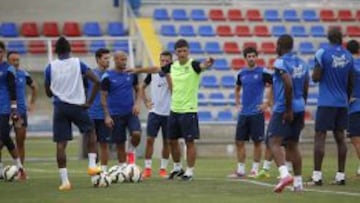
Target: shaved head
x=120, y=60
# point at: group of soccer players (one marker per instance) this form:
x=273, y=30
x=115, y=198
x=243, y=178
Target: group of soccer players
x=337, y=72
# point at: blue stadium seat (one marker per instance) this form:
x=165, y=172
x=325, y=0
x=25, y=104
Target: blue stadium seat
x=231, y=99
x=213, y=48
x=18, y=46
x=309, y=15
x=205, y=116
x=312, y=98
x=311, y=63
x=170, y=47
x=209, y=81
x=8, y=29
x=202, y=100
x=217, y=99
x=221, y=64
x=96, y=44
x=225, y=116
x=168, y=30
x=298, y=31
x=92, y=29
x=195, y=48
x=323, y=45
x=206, y=31
x=290, y=15
x=187, y=31
x=179, y=15
x=278, y=30
x=306, y=48
x=116, y=29
x=198, y=15
x=228, y=81
x=161, y=14
x=121, y=45
x=272, y=15
x=317, y=31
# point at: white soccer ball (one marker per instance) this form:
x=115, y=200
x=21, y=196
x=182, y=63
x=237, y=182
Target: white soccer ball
x=117, y=174
x=101, y=180
x=134, y=173
x=10, y=173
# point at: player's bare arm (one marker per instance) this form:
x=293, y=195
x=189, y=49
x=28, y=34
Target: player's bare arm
x=93, y=78
x=138, y=94
x=288, y=114
x=108, y=120
x=34, y=91
x=316, y=75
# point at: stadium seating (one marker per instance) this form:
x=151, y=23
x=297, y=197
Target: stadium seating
x=71, y=29
x=18, y=46
x=92, y=29
x=278, y=30
x=327, y=15
x=323, y=45
x=260, y=62
x=231, y=99
x=353, y=31
x=261, y=31
x=309, y=15
x=37, y=47
x=253, y=15
x=116, y=29
x=250, y=44
x=224, y=31
x=161, y=14
x=206, y=31
x=217, y=99
x=168, y=30
x=122, y=45
x=238, y=63
x=235, y=15
x=306, y=48
x=317, y=31
x=29, y=29
x=345, y=15
x=179, y=15
x=187, y=31
x=268, y=48
x=298, y=31
x=221, y=64
x=209, y=82
x=96, y=44
x=195, y=48
x=50, y=29
x=231, y=48
x=225, y=116
x=9, y=29
x=272, y=15
x=78, y=46
x=242, y=31
x=228, y=81
x=202, y=100
x=358, y=15
x=213, y=47
x=198, y=15
x=217, y=15
x=205, y=116
x=290, y=15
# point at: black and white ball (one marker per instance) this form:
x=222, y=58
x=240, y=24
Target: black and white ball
x=101, y=180
x=10, y=173
x=117, y=174
x=134, y=173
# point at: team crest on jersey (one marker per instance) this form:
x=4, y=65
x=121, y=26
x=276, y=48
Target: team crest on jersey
x=339, y=61
x=298, y=71
x=256, y=76
x=128, y=78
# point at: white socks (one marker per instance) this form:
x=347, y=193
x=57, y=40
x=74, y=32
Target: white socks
x=283, y=171
x=339, y=176
x=177, y=166
x=189, y=171
x=148, y=163
x=267, y=165
x=298, y=182
x=241, y=168
x=289, y=166
x=63, y=175
x=164, y=163
x=255, y=166
x=316, y=176
x=92, y=160
x=18, y=164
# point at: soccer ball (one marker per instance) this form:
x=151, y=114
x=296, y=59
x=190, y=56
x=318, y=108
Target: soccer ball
x=10, y=173
x=117, y=174
x=101, y=180
x=134, y=173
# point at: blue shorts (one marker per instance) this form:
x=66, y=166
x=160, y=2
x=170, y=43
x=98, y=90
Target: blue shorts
x=183, y=125
x=121, y=123
x=252, y=126
x=103, y=133
x=354, y=124
x=154, y=123
x=4, y=126
x=66, y=114
x=331, y=118
x=288, y=131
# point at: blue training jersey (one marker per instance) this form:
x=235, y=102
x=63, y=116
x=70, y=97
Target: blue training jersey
x=355, y=105
x=253, y=82
x=5, y=69
x=299, y=73
x=335, y=63
x=96, y=110
x=22, y=79
x=119, y=86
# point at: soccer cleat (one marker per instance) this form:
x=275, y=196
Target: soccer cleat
x=22, y=175
x=288, y=180
x=298, y=188
x=253, y=174
x=338, y=182
x=147, y=173
x=177, y=173
x=94, y=171
x=186, y=178
x=131, y=158
x=236, y=175
x=65, y=186
x=263, y=173
x=163, y=173
x=314, y=183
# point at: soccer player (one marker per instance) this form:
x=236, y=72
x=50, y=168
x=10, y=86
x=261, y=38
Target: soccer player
x=96, y=112
x=354, y=107
x=121, y=107
x=251, y=121
x=184, y=75
x=64, y=83
x=332, y=70
x=8, y=110
x=159, y=106
x=290, y=83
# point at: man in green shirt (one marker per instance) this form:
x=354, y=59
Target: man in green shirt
x=184, y=79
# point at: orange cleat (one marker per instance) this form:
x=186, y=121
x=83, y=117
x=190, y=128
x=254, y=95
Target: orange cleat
x=147, y=173
x=163, y=173
x=288, y=180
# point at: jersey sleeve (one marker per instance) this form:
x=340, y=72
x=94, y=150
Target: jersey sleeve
x=267, y=76
x=167, y=68
x=238, y=79
x=11, y=83
x=84, y=68
x=147, y=79
x=105, y=82
x=47, y=74
x=196, y=66
x=318, y=58
x=279, y=66
x=29, y=80
x=135, y=80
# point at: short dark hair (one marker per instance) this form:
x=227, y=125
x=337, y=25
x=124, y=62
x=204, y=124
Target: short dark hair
x=100, y=52
x=353, y=46
x=62, y=46
x=10, y=53
x=285, y=42
x=166, y=53
x=249, y=50
x=335, y=36
x=2, y=45
x=181, y=43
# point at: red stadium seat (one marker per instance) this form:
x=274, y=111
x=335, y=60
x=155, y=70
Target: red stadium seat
x=224, y=31
x=250, y=44
x=260, y=62
x=217, y=15
x=235, y=15
x=29, y=29
x=254, y=15
x=78, y=46
x=353, y=31
x=327, y=15
x=242, y=31
x=50, y=29
x=268, y=48
x=261, y=31
x=71, y=29
x=345, y=15
x=238, y=63
x=37, y=47
x=231, y=48
x=358, y=15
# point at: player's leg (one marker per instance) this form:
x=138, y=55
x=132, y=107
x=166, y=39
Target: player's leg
x=355, y=140
x=288, y=160
x=20, y=136
x=264, y=172
x=134, y=127
x=257, y=131
x=354, y=134
x=165, y=152
x=103, y=137
x=119, y=138
x=152, y=129
x=174, y=133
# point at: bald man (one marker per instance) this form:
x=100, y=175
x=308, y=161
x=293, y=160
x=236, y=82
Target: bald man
x=120, y=99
